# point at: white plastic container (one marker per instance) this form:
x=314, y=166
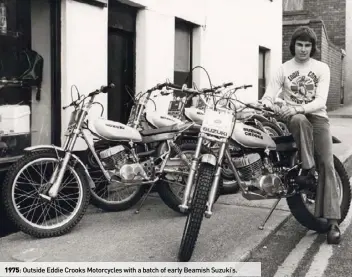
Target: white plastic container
x=14, y=119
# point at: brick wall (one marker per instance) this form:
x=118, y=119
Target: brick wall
x=328, y=53
x=333, y=13
x=331, y=55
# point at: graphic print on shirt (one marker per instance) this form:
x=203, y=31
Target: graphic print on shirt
x=302, y=87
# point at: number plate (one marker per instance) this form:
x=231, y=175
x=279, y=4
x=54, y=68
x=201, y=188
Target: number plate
x=218, y=123
x=71, y=123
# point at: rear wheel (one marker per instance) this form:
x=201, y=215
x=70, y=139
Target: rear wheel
x=302, y=205
x=110, y=196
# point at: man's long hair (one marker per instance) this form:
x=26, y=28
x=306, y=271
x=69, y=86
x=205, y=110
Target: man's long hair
x=304, y=33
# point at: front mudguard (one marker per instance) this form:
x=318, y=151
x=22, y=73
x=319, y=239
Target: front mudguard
x=209, y=159
x=61, y=150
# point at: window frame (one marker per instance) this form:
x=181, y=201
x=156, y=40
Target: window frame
x=180, y=23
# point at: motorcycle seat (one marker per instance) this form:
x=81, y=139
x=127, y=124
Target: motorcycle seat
x=168, y=129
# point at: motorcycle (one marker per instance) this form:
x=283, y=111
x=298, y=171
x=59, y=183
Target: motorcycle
x=171, y=179
x=265, y=167
x=47, y=191
x=178, y=112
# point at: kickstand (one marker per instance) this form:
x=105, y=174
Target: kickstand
x=144, y=198
x=261, y=227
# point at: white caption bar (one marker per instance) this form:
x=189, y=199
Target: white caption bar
x=150, y=269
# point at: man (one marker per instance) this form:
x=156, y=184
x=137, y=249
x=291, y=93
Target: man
x=305, y=85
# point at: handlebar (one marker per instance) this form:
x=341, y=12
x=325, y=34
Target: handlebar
x=264, y=108
x=103, y=89
x=225, y=85
x=184, y=88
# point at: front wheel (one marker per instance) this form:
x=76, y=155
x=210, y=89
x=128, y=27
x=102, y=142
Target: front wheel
x=300, y=204
x=195, y=217
x=171, y=189
x=34, y=215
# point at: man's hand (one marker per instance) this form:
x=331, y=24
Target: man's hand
x=276, y=109
x=267, y=104
x=287, y=112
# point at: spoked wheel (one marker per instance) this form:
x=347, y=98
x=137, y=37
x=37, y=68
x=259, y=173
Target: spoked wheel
x=272, y=129
x=198, y=207
x=171, y=189
x=109, y=196
x=34, y=214
x=113, y=197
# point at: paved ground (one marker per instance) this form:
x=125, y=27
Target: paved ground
x=154, y=234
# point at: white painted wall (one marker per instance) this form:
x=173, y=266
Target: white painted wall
x=155, y=41
x=226, y=42
x=41, y=110
x=233, y=33
x=84, y=54
x=348, y=57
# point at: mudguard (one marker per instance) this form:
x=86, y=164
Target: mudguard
x=209, y=158
x=42, y=147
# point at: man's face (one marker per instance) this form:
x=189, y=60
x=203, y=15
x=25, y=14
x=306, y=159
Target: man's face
x=302, y=50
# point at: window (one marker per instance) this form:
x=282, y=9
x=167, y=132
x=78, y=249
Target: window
x=292, y=5
x=25, y=52
x=263, y=57
x=183, y=52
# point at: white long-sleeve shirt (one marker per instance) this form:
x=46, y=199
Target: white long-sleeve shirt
x=303, y=84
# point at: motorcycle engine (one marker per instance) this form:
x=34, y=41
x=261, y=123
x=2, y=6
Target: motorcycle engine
x=249, y=166
x=257, y=173
x=117, y=161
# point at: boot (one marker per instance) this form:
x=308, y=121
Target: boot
x=307, y=179
x=334, y=235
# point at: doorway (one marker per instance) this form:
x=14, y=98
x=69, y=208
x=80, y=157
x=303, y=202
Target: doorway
x=121, y=60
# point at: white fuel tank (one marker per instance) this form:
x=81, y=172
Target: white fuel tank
x=161, y=120
x=112, y=130
x=251, y=137
x=195, y=115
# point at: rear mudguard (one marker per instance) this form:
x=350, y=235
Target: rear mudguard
x=59, y=149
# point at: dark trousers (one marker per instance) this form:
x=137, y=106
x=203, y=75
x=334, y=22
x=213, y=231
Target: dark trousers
x=312, y=135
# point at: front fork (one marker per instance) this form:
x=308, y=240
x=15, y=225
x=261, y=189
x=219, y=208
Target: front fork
x=195, y=162
x=215, y=184
x=190, y=181
x=58, y=174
